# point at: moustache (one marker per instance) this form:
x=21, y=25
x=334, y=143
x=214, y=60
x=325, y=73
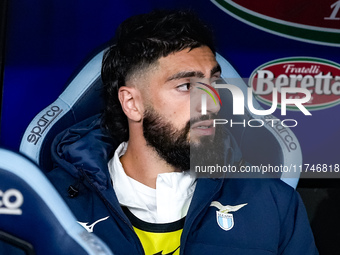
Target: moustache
x=192, y=121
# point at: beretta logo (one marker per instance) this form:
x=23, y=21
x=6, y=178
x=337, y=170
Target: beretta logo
x=321, y=77
x=315, y=21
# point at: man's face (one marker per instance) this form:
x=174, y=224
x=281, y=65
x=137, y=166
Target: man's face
x=172, y=117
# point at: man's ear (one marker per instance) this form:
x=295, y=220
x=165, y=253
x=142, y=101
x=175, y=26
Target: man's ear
x=131, y=102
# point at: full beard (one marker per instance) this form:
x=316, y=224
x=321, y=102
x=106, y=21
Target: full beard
x=174, y=146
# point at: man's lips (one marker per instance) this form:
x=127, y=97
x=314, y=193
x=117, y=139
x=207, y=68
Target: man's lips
x=203, y=124
x=203, y=127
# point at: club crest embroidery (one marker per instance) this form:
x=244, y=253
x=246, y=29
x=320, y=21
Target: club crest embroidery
x=224, y=218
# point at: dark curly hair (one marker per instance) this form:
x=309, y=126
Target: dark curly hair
x=139, y=42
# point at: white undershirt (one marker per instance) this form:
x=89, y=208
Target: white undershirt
x=169, y=202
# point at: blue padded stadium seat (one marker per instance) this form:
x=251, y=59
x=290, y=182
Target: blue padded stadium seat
x=33, y=217
x=272, y=144
x=81, y=99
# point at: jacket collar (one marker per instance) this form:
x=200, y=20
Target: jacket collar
x=84, y=146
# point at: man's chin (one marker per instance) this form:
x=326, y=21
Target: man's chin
x=198, y=141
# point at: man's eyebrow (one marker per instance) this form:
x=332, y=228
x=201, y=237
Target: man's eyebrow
x=191, y=74
x=216, y=69
x=186, y=74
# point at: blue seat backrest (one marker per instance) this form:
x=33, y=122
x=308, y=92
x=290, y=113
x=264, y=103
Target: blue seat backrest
x=33, y=217
x=82, y=99
x=270, y=145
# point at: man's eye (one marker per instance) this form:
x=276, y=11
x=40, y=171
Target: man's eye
x=216, y=79
x=184, y=87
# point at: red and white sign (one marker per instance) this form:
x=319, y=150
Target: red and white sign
x=315, y=21
x=321, y=77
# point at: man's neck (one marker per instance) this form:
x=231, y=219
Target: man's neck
x=142, y=163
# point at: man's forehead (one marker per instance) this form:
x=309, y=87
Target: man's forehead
x=199, y=62
x=188, y=54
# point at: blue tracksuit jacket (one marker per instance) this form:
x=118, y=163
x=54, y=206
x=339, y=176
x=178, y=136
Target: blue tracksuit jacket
x=274, y=220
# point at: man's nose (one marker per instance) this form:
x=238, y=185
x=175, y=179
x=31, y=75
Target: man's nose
x=207, y=102
x=213, y=104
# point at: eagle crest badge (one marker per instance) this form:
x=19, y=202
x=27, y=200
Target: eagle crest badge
x=225, y=219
